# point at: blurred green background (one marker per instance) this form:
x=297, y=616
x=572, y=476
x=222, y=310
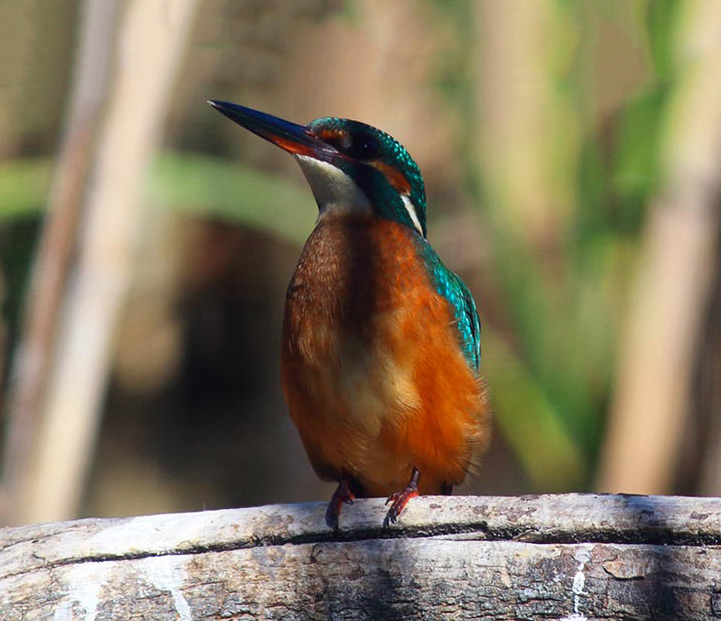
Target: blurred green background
x=571, y=157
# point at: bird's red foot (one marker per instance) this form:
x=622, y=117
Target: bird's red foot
x=399, y=500
x=342, y=495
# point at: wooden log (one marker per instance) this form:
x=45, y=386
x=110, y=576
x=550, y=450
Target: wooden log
x=564, y=557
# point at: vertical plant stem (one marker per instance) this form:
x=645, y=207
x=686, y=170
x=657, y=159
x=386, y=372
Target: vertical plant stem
x=152, y=36
x=651, y=401
x=528, y=206
x=53, y=261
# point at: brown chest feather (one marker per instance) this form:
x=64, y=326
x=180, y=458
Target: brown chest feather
x=371, y=369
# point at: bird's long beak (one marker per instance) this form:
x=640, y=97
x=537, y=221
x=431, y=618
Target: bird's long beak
x=295, y=139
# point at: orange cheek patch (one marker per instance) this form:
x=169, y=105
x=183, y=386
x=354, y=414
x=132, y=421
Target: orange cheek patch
x=331, y=134
x=396, y=178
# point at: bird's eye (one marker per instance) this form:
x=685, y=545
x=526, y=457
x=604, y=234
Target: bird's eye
x=364, y=148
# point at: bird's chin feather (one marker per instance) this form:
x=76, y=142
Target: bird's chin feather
x=332, y=188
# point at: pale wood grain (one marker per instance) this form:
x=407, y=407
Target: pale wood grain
x=535, y=557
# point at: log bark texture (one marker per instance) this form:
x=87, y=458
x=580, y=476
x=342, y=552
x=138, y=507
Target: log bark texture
x=564, y=557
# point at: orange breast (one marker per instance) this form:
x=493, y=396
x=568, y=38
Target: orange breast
x=371, y=367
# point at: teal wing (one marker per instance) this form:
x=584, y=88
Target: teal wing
x=468, y=324
x=453, y=289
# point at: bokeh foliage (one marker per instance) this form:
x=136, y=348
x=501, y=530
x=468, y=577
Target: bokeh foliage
x=550, y=362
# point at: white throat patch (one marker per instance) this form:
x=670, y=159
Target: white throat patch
x=332, y=188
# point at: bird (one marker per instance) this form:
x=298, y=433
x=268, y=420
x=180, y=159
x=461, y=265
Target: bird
x=380, y=356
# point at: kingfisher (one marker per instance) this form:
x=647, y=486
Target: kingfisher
x=380, y=356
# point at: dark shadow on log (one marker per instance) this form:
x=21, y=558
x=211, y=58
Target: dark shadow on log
x=661, y=598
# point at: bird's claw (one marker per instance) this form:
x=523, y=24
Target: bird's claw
x=341, y=496
x=399, y=501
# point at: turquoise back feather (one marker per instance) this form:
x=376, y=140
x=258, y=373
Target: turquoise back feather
x=452, y=288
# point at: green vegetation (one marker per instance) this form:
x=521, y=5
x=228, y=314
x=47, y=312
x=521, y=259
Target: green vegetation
x=562, y=289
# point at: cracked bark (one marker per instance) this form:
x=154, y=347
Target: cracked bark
x=537, y=557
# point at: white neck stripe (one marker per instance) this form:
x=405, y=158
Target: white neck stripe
x=410, y=208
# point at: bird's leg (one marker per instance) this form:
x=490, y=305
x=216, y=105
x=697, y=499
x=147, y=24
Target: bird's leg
x=343, y=494
x=400, y=499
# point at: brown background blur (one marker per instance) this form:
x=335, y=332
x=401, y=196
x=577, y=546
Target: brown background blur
x=571, y=152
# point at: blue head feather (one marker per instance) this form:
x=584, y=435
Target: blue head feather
x=376, y=161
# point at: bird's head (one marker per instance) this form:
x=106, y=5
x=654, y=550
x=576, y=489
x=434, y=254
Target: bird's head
x=348, y=164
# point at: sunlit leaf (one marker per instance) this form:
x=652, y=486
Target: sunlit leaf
x=24, y=185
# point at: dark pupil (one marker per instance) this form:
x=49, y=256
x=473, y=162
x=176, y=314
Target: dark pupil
x=363, y=148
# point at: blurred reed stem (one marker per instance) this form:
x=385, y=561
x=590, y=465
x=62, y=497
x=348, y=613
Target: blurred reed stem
x=146, y=53
x=651, y=403
x=529, y=204
x=53, y=262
